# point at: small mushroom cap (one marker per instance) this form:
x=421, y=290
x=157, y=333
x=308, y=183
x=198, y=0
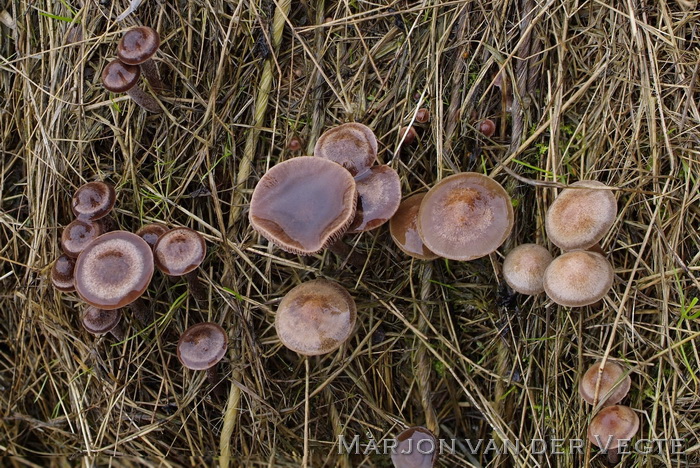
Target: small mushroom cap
x=99, y=321
x=613, y=423
x=114, y=270
x=613, y=376
x=138, y=45
x=315, y=317
x=410, y=135
x=62, y=273
x=93, y=200
x=423, y=115
x=152, y=232
x=524, y=266
x=404, y=229
x=78, y=235
x=465, y=216
x=378, y=198
x=487, y=127
x=179, y=251
x=303, y=204
x=417, y=448
x=119, y=77
x=579, y=218
x=352, y=145
x=578, y=278
x=202, y=346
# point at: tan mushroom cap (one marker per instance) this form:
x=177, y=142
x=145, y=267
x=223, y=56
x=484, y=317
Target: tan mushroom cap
x=315, y=317
x=524, y=266
x=613, y=423
x=417, y=448
x=465, y=216
x=93, y=200
x=352, y=145
x=404, y=229
x=114, y=270
x=303, y=204
x=78, y=235
x=100, y=321
x=152, y=232
x=179, y=251
x=378, y=198
x=614, y=384
x=578, y=278
x=62, y=273
x=579, y=218
x=138, y=45
x=119, y=77
x=202, y=346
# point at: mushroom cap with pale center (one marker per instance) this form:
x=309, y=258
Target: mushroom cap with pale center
x=614, y=384
x=152, y=232
x=578, y=278
x=62, y=273
x=378, y=198
x=202, y=346
x=524, y=267
x=417, y=448
x=98, y=321
x=78, y=235
x=315, y=317
x=352, y=145
x=404, y=229
x=119, y=77
x=179, y=251
x=138, y=45
x=304, y=204
x=465, y=216
x=611, y=424
x=93, y=200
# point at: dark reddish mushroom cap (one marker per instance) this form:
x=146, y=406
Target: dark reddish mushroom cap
x=152, y=232
x=578, y=278
x=78, y=235
x=404, y=229
x=138, y=45
x=119, y=77
x=179, y=251
x=614, y=384
x=62, y=273
x=303, y=204
x=612, y=424
x=423, y=115
x=352, y=145
x=315, y=317
x=93, y=200
x=524, y=267
x=487, y=127
x=417, y=448
x=114, y=270
x=100, y=321
x=465, y=216
x=202, y=346
x=378, y=198
x=410, y=135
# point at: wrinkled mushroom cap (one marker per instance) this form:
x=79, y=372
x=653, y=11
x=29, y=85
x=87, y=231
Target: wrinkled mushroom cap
x=304, y=204
x=93, y=201
x=62, y=273
x=114, y=270
x=579, y=218
x=152, y=232
x=465, y=216
x=78, y=235
x=404, y=229
x=378, y=198
x=99, y=321
x=119, y=77
x=179, y=251
x=417, y=448
x=613, y=376
x=352, y=145
x=613, y=423
x=202, y=346
x=138, y=45
x=578, y=278
x=524, y=266
x=315, y=317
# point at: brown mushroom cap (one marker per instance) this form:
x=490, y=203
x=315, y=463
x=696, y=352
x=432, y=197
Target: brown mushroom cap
x=404, y=229
x=614, y=384
x=524, y=266
x=114, y=270
x=119, y=77
x=352, y=145
x=152, y=232
x=138, y=45
x=612, y=424
x=417, y=448
x=202, y=346
x=78, y=235
x=423, y=115
x=579, y=218
x=179, y=251
x=315, y=317
x=465, y=216
x=62, y=273
x=378, y=198
x=487, y=127
x=303, y=204
x=100, y=321
x=578, y=278
x=93, y=201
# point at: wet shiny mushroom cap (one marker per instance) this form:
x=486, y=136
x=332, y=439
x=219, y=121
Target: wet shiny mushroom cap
x=417, y=448
x=119, y=77
x=114, y=270
x=578, y=278
x=78, y=235
x=152, y=232
x=304, y=204
x=179, y=251
x=315, y=317
x=613, y=376
x=524, y=267
x=62, y=273
x=613, y=423
x=352, y=145
x=93, y=201
x=487, y=127
x=378, y=198
x=202, y=346
x=138, y=45
x=465, y=216
x=99, y=321
x=404, y=229
x=579, y=218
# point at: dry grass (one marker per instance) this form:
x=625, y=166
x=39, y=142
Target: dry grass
x=604, y=90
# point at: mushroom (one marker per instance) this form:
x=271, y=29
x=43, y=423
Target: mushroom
x=404, y=230
x=294, y=144
x=315, y=317
x=578, y=278
x=201, y=347
x=609, y=426
x=152, y=232
x=352, y=145
x=465, y=216
x=118, y=77
x=93, y=201
x=378, y=198
x=614, y=384
x=417, y=448
x=78, y=235
x=524, y=266
x=487, y=127
x=409, y=135
x=62, y=273
x=137, y=47
x=178, y=253
x=580, y=217
x=101, y=321
x=422, y=115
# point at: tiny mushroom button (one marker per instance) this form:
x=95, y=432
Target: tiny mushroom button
x=352, y=145
x=578, y=278
x=179, y=252
x=524, y=267
x=614, y=384
x=93, y=201
x=609, y=426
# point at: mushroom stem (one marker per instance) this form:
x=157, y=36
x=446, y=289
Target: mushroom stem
x=342, y=250
x=118, y=332
x=213, y=378
x=150, y=71
x=195, y=286
x=141, y=312
x=613, y=456
x=144, y=100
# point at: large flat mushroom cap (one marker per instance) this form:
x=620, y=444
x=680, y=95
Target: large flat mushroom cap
x=93, y=200
x=202, y=346
x=138, y=45
x=465, y=216
x=417, y=448
x=352, y=145
x=613, y=374
x=578, y=278
x=404, y=229
x=612, y=424
x=303, y=204
x=378, y=198
x=179, y=251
